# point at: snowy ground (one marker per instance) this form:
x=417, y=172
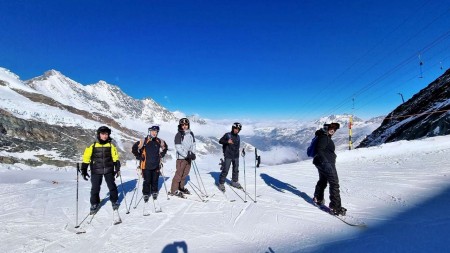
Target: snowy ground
x=401, y=190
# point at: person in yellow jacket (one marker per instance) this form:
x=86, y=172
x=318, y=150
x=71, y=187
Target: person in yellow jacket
x=103, y=158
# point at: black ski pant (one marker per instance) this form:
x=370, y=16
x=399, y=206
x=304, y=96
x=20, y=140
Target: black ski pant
x=328, y=174
x=150, y=184
x=96, y=181
x=226, y=168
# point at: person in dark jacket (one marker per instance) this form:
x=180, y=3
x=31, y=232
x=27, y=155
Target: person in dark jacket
x=230, y=146
x=325, y=162
x=149, y=152
x=103, y=159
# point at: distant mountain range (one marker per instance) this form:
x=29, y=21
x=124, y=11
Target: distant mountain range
x=50, y=119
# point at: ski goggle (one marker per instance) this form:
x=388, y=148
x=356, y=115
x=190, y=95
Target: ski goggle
x=237, y=125
x=184, y=121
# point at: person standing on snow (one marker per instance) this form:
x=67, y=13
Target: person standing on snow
x=325, y=162
x=185, y=146
x=103, y=159
x=230, y=145
x=149, y=152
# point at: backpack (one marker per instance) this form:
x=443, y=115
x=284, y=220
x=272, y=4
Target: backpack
x=311, y=151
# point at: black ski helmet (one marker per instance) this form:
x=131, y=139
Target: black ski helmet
x=236, y=125
x=333, y=125
x=153, y=128
x=104, y=129
x=184, y=121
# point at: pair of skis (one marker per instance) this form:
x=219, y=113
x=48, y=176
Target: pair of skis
x=156, y=207
x=90, y=217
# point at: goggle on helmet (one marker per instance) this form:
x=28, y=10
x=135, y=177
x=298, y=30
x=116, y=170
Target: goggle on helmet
x=154, y=128
x=237, y=125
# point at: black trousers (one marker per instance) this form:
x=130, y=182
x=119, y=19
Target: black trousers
x=328, y=174
x=96, y=181
x=226, y=168
x=150, y=184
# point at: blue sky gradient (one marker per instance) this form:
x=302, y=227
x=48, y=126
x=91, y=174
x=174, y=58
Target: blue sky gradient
x=237, y=59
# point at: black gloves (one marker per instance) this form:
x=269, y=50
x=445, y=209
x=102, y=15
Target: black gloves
x=117, y=169
x=84, y=174
x=190, y=155
x=163, y=154
x=138, y=157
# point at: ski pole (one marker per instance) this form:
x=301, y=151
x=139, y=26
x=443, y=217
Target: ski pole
x=201, y=178
x=135, y=190
x=123, y=192
x=245, y=183
x=78, y=172
x=256, y=157
x=198, y=180
x=164, y=181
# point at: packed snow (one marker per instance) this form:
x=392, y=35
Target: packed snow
x=400, y=190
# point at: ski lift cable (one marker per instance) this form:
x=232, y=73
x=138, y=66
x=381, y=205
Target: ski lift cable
x=312, y=99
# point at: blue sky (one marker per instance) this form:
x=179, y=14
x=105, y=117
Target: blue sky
x=237, y=59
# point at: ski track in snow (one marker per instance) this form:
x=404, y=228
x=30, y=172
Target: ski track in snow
x=378, y=185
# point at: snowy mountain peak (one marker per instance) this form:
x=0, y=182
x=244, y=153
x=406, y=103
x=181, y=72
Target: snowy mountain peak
x=8, y=73
x=52, y=72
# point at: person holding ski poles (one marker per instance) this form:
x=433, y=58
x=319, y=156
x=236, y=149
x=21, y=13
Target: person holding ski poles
x=185, y=146
x=103, y=159
x=149, y=152
x=230, y=146
x=325, y=162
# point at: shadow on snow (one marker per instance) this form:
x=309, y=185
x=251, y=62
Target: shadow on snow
x=176, y=247
x=423, y=228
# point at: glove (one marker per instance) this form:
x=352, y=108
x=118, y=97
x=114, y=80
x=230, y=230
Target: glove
x=162, y=154
x=117, y=169
x=191, y=155
x=84, y=173
x=138, y=157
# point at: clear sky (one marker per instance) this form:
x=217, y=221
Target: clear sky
x=237, y=59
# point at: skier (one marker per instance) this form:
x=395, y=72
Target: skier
x=230, y=146
x=149, y=152
x=103, y=159
x=325, y=162
x=185, y=146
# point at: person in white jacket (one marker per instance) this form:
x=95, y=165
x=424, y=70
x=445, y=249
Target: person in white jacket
x=185, y=146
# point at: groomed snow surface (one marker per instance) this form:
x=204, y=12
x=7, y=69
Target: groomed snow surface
x=401, y=190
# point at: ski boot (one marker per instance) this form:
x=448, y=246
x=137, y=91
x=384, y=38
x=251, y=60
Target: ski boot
x=155, y=195
x=318, y=202
x=116, y=205
x=146, y=197
x=185, y=191
x=221, y=187
x=94, y=209
x=339, y=211
x=236, y=185
x=177, y=194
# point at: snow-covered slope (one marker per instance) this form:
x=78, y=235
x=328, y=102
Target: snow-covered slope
x=401, y=190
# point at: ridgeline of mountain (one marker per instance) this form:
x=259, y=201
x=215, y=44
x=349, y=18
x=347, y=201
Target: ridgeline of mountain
x=50, y=119
x=101, y=97
x=426, y=114
x=52, y=114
